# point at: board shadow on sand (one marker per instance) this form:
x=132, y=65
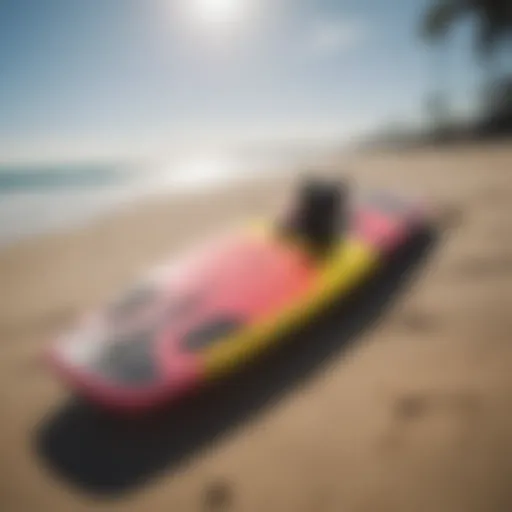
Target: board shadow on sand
x=110, y=457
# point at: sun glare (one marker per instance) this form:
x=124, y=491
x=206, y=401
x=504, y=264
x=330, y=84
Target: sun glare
x=201, y=171
x=218, y=12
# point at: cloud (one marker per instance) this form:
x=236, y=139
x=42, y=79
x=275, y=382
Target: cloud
x=336, y=35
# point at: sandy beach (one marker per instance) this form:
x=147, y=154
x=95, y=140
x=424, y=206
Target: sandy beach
x=416, y=416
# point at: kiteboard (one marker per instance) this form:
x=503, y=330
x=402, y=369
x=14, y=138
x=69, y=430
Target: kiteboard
x=221, y=305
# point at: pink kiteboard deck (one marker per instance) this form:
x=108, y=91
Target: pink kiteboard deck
x=214, y=308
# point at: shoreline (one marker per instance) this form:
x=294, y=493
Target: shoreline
x=133, y=188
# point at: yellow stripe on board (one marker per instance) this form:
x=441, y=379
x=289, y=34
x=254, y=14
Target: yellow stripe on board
x=350, y=263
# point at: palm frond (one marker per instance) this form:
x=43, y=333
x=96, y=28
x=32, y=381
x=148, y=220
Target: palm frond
x=495, y=20
x=441, y=15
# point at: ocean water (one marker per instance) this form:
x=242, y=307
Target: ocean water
x=36, y=199
x=41, y=199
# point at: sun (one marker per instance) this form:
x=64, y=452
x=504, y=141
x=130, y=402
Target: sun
x=218, y=21
x=218, y=12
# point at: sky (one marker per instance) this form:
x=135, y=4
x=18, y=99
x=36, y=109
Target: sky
x=135, y=75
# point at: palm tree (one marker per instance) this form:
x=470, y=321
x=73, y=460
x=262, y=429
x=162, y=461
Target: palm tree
x=493, y=21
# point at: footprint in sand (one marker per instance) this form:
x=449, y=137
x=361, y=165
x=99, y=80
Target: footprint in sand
x=418, y=321
x=451, y=216
x=409, y=409
x=483, y=267
x=217, y=496
x=414, y=405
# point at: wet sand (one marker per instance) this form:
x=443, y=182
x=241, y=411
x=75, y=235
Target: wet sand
x=416, y=415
